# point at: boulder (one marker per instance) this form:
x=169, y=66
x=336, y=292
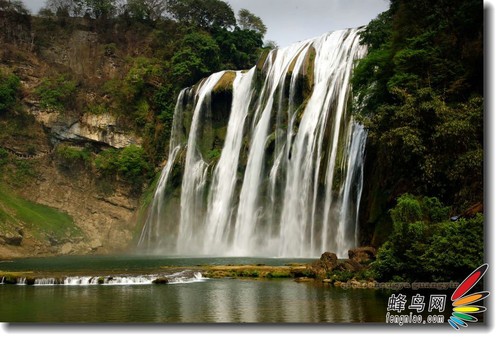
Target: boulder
x=67, y=248
x=326, y=264
x=95, y=244
x=161, y=281
x=11, y=239
x=349, y=265
x=363, y=255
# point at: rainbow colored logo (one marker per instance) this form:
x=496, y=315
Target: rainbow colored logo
x=463, y=305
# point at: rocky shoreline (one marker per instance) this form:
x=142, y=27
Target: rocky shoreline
x=327, y=270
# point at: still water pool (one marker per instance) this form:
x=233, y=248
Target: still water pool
x=196, y=301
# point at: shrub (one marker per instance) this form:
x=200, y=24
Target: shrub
x=4, y=157
x=9, y=88
x=58, y=93
x=129, y=163
x=73, y=155
x=425, y=243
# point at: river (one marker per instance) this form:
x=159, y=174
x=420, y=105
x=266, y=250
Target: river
x=194, y=300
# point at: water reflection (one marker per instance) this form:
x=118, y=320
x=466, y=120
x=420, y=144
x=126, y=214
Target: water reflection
x=223, y=300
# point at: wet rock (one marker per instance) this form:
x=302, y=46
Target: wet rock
x=325, y=265
x=160, y=281
x=349, y=265
x=363, y=255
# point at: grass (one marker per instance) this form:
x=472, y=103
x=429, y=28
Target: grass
x=253, y=271
x=40, y=220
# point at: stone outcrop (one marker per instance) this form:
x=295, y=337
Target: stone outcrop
x=12, y=239
x=362, y=255
x=102, y=128
x=329, y=264
x=325, y=265
x=98, y=128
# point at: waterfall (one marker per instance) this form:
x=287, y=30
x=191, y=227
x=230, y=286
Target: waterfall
x=270, y=160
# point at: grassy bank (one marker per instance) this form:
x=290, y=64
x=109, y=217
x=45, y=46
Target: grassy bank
x=18, y=214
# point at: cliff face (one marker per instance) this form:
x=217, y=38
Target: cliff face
x=103, y=208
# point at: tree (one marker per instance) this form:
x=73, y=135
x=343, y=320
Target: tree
x=206, y=14
x=248, y=20
x=240, y=48
x=197, y=57
x=13, y=6
x=148, y=10
x=270, y=44
x=98, y=9
x=63, y=8
x=424, y=243
x=419, y=91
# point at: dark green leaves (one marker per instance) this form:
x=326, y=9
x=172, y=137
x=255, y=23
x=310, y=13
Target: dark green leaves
x=9, y=89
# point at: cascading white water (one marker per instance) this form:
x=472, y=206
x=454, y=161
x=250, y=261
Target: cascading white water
x=225, y=174
x=155, y=219
x=288, y=179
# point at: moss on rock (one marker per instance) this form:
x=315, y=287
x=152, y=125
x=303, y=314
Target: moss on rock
x=225, y=83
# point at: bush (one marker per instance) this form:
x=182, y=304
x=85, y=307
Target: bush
x=4, y=157
x=73, y=155
x=9, y=89
x=425, y=244
x=58, y=94
x=129, y=163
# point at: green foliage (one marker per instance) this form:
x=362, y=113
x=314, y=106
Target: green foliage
x=202, y=13
x=57, y=93
x=248, y=20
x=73, y=155
x=342, y=276
x=455, y=249
x=214, y=154
x=145, y=10
x=143, y=71
x=4, y=157
x=129, y=163
x=424, y=243
x=419, y=93
x=21, y=173
x=105, y=161
x=240, y=48
x=9, y=90
x=197, y=57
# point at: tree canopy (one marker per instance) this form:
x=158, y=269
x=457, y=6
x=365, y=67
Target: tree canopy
x=202, y=13
x=419, y=92
x=248, y=20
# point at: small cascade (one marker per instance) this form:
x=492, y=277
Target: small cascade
x=269, y=161
x=46, y=281
x=183, y=277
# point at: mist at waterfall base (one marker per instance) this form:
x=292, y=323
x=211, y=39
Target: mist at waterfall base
x=287, y=181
